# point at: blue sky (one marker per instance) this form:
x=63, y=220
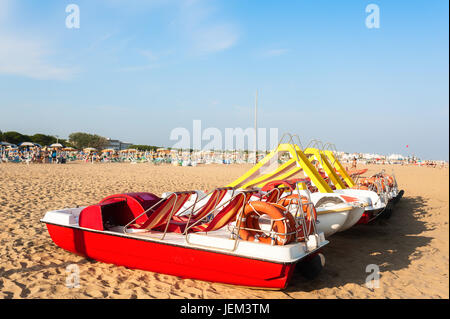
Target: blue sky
x=137, y=69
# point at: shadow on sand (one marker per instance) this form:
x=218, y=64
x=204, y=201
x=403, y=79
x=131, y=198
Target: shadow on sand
x=391, y=244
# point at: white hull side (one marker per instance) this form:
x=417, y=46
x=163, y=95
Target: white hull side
x=353, y=217
x=331, y=223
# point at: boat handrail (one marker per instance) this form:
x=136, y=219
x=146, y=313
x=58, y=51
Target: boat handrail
x=193, y=211
x=238, y=192
x=299, y=218
x=308, y=203
x=278, y=197
x=244, y=193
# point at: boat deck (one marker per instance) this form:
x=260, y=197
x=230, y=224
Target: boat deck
x=219, y=241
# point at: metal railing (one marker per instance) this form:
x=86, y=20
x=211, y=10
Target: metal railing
x=169, y=217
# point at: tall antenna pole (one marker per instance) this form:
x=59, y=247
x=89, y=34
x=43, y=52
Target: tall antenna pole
x=256, y=127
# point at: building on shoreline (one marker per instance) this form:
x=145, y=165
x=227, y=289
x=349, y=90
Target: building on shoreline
x=118, y=145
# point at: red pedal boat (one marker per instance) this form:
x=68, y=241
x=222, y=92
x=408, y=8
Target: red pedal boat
x=200, y=241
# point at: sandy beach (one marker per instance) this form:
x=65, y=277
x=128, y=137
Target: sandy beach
x=411, y=248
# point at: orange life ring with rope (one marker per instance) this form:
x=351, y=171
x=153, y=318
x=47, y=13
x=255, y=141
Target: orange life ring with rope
x=284, y=226
x=308, y=210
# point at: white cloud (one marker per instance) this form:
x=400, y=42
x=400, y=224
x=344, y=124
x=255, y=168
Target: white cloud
x=145, y=67
x=275, y=52
x=149, y=54
x=205, y=32
x=153, y=60
x=27, y=57
x=213, y=38
x=197, y=21
x=152, y=55
x=136, y=5
x=4, y=9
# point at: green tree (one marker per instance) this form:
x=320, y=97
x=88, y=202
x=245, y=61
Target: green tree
x=15, y=137
x=65, y=142
x=82, y=140
x=43, y=139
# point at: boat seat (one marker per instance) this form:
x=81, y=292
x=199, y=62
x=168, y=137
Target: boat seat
x=118, y=210
x=137, y=203
x=105, y=215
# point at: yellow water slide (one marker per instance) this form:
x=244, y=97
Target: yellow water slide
x=338, y=166
x=326, y=165
x=268, y=169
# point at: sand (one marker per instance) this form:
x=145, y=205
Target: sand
x=411, y=248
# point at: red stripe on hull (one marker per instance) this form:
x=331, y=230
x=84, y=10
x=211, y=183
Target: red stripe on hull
x=172, y=260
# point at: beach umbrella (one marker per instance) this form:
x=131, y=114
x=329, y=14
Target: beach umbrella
x=89, y=149
x=38, y=145
x=69, y=149
x=108, y=150
x=131, y=150
x=25, y=144
x=4, y=144
x=55, y=145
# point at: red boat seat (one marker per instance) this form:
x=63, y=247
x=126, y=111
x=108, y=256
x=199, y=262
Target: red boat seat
x=216, y=197
x=137, y=203
x=118, y=210
x=179, y=223
x=227, y=214
x=165, y=210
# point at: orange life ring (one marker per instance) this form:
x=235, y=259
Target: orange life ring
x=309, y=210
x=390, y=180
x=372, y=183
x=283, y=223
x=274, y=184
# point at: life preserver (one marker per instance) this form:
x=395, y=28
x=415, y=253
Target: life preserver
x=274, y=184
x=290, y=183
x=308, y=210
x=373, y=183
x=390, y=180
x=284, y=223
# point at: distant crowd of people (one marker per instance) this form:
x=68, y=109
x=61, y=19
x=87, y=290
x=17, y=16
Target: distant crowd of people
x=36, y=154
x=32, y=155
x=409, y=161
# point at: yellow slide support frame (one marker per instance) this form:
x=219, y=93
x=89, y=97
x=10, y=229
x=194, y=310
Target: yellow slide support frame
x=340, y=168
x=299, y=161
x=327, y=167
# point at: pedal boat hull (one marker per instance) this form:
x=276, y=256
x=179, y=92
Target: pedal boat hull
x=162, y=257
